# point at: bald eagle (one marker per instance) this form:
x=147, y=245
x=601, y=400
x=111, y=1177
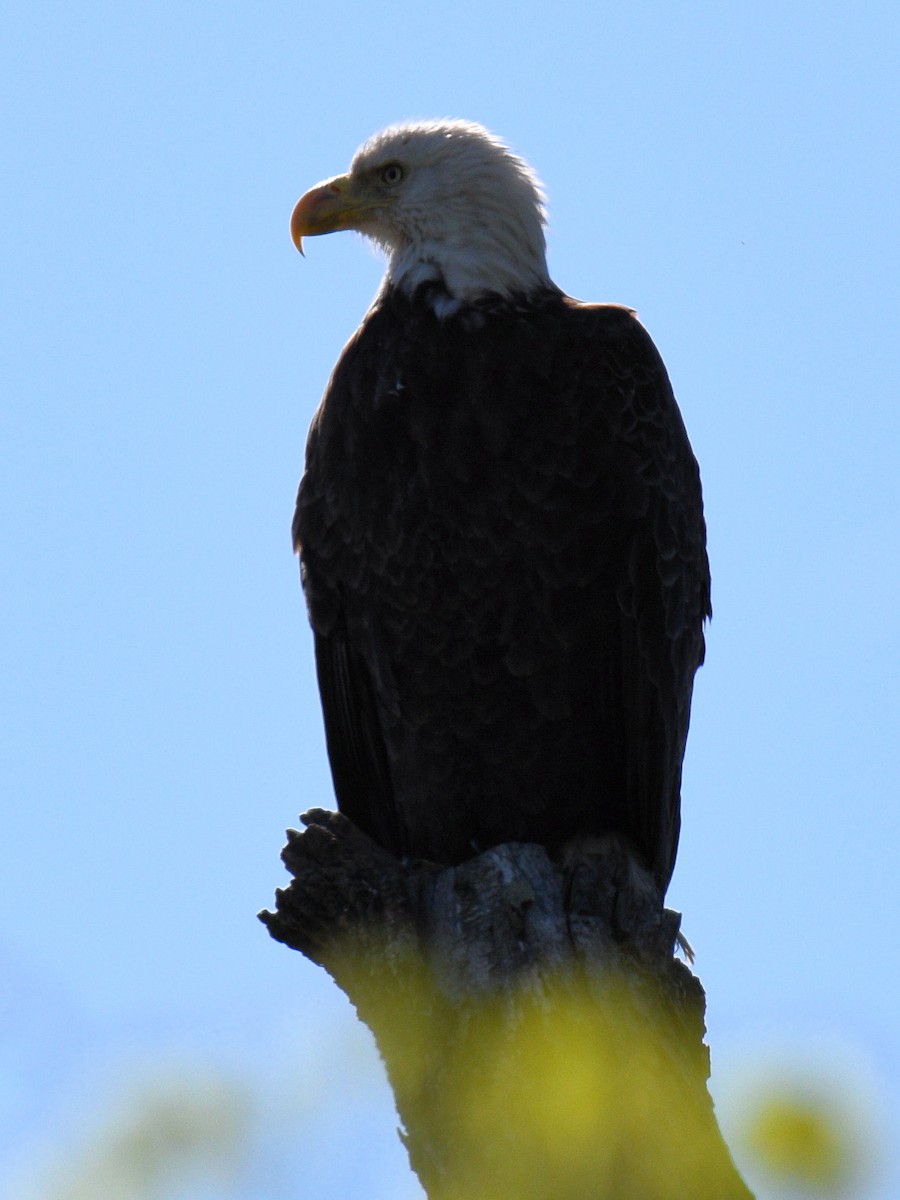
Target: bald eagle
x=500, y=527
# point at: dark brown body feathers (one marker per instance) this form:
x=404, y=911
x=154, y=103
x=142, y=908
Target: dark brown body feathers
x=503, y=551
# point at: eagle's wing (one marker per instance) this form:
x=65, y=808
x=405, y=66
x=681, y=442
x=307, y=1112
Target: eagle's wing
x=663, y=589
x=356, y=747
x=353, y=732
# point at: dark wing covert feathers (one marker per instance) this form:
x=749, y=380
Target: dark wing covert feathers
x=504, y=561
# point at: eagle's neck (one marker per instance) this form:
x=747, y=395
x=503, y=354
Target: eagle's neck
x=471, y=259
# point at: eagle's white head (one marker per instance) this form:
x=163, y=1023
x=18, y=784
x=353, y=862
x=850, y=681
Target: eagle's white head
x=448, y=201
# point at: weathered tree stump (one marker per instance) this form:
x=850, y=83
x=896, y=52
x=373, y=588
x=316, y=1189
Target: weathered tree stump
x=541, y=1038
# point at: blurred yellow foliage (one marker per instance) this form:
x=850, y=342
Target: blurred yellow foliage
x=802, y=1136
x=555, y=1093
x=162, y=1133
x=799, y=1138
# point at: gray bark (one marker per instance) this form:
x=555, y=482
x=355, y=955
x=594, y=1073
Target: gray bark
x=542, y=1039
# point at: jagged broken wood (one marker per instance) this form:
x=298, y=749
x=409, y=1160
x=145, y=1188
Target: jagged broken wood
x=542, y=1039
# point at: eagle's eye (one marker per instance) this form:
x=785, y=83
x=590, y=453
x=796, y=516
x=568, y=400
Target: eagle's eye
x=391, y=174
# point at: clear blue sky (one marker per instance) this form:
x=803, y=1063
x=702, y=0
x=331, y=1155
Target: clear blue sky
x=730, y=170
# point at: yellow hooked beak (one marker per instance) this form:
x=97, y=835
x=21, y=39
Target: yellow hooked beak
x=339, y=203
